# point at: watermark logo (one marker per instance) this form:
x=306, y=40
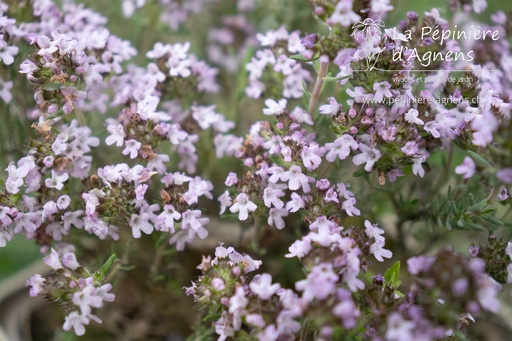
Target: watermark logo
x=363, y=30
x=368, y=34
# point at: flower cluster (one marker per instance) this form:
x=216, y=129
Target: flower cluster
x=74, y=288
x=34, y=198
x=272, y=66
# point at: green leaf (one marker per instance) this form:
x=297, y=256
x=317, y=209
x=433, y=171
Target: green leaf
x=162, y=238
x=300, y=58
x=336, y=129
x=391, y=274
x=479, y=160
x=212, y=317
x=105, y=268
x=478, y=206
x=359, y=172
x=491, y=219
x=335, y=79
x=316, y=65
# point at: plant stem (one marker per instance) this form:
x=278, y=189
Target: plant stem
x=442, y=179
x=318, y=87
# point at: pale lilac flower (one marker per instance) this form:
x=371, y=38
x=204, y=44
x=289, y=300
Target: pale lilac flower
x=479, y=5
x=179, y=62
x=368, y=156
x=487, y=293
x=410, y=148
x=341, y=148
x=243, y=206
x=76, y=321
x=508, y=250
x=141, y=222
x=343, y=14
x=349, y=207
x=296, y=179
x=36, y=285
x=69, y=261
x=296, y=203
x=194, y=221
x=132, y=148
x=330, y=109
x=382, y=91
x=262, y=286
x=225, y=202
x=157, y=163
x=218, y=283
x=4, y=238
x=358, y=94
x=166, y=219
x=63, y=202
x=286, y=152
x=503, y=195
x=311, y=156
x=57, y=180
x=505, y=175
x=302, y=116
x=271, y=195
x=412, y=117
x=255, y=320
x=237, y=304
x=467, y=168
x=378, y=251
x=104, y=294
x=275, y=108
x=299, y=248
x=140, y=190
x=399, y=329
x=53, y=260
x=331, y=195
x=231, y=179
x=415, y=265
x=275, y=217
x=320, y=283
x=277, y=173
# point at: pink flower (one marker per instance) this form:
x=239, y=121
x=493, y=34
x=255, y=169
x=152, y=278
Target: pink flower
x=53, y=261
x=330, y=109
x=243, y=206
x=296, y=203
x=262, y=286
x=275, y=217
x=76, y=321
x=225, y=201
x=320, y=283
x=36, y=285
x=340, y=148
x=166, y=219
x=132, y=148
x=368, y=156
x=381, y=91
x=271, y=195
x=412, y=117
x=296, y=179
x=467, y=168
x=399, y=329
x=57, y=180
x=275, y=108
